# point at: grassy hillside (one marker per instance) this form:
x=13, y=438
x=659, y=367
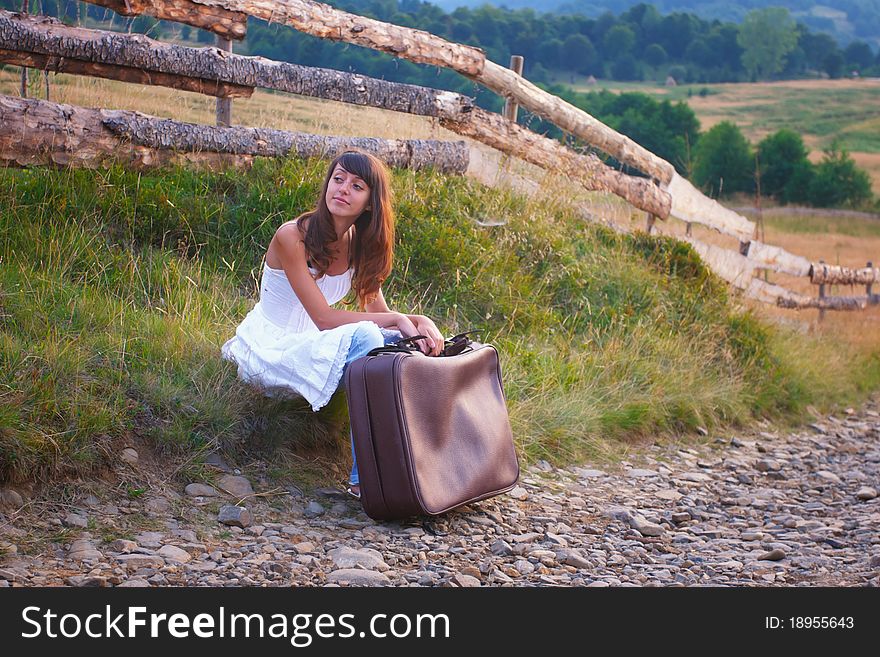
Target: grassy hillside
x=118, y=289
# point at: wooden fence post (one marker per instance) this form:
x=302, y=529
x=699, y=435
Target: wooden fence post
x=869, y=287
x=224, y=105
x=24, y=71
x=821, y=295
x=511, y=107
x=650, y=223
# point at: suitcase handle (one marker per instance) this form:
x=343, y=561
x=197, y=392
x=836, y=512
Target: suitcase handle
x=454, y=346
x=458, y=344
x=404, y=345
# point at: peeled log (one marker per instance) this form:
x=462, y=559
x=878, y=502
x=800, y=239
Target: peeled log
x=499, y=133
x=137, y=58
x=767, y=256
x=228, y=24
x=328, y=23
x=689, y=204
x=37, y=132
x=836, y=275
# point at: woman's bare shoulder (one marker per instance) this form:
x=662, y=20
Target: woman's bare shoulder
x=286, y=236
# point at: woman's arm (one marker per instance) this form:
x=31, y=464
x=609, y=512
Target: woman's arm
x=423, y=325
x=292, y=254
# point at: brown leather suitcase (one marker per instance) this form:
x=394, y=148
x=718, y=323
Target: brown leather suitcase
x=430, y=433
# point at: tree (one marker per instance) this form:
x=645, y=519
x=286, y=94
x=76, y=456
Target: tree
x=550, y=53
x=833, y=64
x=779, y=155
x=797, y=189
x=838, y=182
x=655, y=55
x=858, y=55
x=816, y=47
x=618, y=41
x=723, y=161
x=579, y=54
x=766, y=37
x=626, y=68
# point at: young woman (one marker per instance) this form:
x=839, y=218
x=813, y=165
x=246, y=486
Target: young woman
x=294, y=338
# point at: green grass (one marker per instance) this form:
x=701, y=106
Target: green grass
x=118, y=289
x=823, y=224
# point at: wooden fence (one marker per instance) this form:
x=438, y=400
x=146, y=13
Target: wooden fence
x=39, y=132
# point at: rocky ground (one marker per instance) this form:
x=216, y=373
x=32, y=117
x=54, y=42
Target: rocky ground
x=761, y=509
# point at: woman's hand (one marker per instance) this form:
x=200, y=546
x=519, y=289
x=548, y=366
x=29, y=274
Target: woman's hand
x=411, y=325
x=425, y=326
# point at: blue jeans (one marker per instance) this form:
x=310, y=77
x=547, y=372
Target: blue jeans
x=365, y=339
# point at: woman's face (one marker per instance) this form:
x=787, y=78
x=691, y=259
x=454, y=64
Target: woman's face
x=347, y=194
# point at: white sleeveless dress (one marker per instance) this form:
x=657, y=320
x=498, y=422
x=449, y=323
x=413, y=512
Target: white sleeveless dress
x=277, y=346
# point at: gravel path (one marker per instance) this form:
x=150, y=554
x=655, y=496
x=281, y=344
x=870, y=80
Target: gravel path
x=740, y=510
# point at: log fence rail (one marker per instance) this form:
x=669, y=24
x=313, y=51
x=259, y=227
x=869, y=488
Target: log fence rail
x=46, y=44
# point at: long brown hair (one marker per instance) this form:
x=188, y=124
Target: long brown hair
x=372, y=248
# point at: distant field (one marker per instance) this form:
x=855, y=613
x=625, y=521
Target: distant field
x=821, y=110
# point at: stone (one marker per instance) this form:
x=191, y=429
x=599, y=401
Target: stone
x=234, y=516
x=589, y=474
x=345, y=558
x=186, y=534
x=76, y=520
x=129, y=455
x=694, y=476
x=519, y=493
x=767, y=465
x=91, y=501
x=157, y=505
x=524, y=567
x=774, y=555
x=314, y=510
x=640, y=473
x=828, y=476
x=501, y=548
x=645, y=527
x=235, y=485
x=866, y=493
x=574, y=558
x=215, y=460
x=680, y=517
x=137, y=561
x=358, y=577
x=87, y=581
x=150, y=539
x=84, y=550
x=124, y=546
x=174, y=554
x=669, y=495
x=200, y=490
x=530, y=537
x=134, y=584
x=10, y=500
x=465, y=581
